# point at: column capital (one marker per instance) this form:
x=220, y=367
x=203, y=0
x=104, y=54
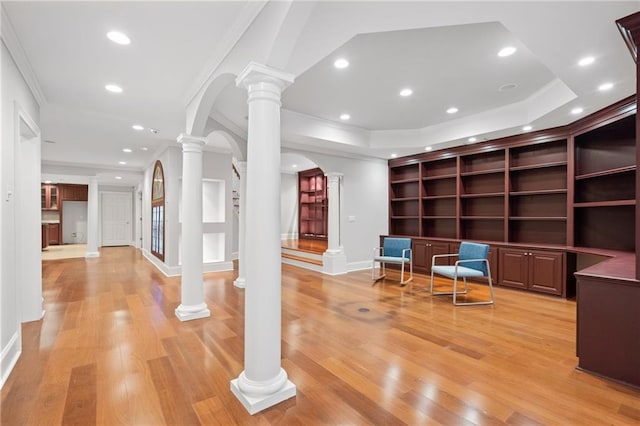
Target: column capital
x=191, y=143
x=242, y=166
x=258, y=73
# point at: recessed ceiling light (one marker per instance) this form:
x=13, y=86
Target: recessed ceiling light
x=113, y=88
x=294, y=166
x=118, y=177
x=406, y=92
x=588, y=60
x=118, y=37
x=394, y=155
x=47, y=181
x=507, y=51
x=576, y=111
x=605, y=86
x=427, y=148
x=472, y=139
x=344, y=116
x=126, y=150
x=122, y=163
x=144, y=148
x=341, y=63
x=137, y=127
x=452, y=110
x=527, y=128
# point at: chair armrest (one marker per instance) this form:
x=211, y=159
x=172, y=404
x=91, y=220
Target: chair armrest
x=404, y=251
x=471, y=260
x=433, y=258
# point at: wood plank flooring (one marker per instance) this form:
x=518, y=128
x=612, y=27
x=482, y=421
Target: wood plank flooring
x=111, y=352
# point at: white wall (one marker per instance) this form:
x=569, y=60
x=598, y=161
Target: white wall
x=74, y=222
x=289, y=205
x=13, y=89
x=365, y=198
x=218, y=234
x=171, y=160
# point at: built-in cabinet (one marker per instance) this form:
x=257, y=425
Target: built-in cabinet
x=49, y=199
x=52, y=198
x=424, y=250
x=312, y=202
x=71, y=192
x=605, y=175
x=529, y=269
x=535, y=198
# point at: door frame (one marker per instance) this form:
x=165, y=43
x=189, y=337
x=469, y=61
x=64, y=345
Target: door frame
x=131, y=241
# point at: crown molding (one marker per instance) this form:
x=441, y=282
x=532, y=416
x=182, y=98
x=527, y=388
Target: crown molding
x=14, y=47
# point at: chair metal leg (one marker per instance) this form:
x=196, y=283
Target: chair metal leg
x=402, y=280
x=373, y=271
x=488, y=302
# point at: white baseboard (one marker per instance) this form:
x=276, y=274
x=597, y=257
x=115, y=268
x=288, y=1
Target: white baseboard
x=217, y=266
x=174, y=271
x=289, y=236
x=9, y=357
x=159, y=264
x=235, y=255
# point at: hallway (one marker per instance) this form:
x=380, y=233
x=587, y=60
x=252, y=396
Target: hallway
x=111, y=351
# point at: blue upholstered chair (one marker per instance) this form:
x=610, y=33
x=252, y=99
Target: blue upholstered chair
x=473, y=262
x=393, y=250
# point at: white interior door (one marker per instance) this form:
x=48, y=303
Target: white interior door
x=116, y=212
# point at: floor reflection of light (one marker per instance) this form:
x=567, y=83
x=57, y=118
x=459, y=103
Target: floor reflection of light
x=472, y=414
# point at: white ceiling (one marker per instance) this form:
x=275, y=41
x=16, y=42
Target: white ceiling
x=445, y=51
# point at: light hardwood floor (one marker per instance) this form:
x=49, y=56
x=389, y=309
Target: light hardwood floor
x=110, y=351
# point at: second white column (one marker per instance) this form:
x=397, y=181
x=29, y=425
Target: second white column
x=263, y=382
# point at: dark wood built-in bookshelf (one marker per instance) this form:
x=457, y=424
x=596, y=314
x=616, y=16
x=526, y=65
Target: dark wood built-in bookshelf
x=537, y=198
x=561, y=187
x=312, y=202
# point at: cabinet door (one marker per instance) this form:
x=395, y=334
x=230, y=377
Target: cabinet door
x=437, y=247
x=53, y=197
x=420, y=253
x=513, y=268
x=545, y=272
x=54, y=233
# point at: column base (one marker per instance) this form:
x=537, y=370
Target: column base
x=256, y=403
x=334, y=262
x=239, y=282
x=92, y=254
x=192, y=312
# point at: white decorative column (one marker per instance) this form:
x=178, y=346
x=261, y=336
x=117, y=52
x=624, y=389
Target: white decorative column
x=92, y=219
x=242, y=170
x=334, y=260
x=263, y=382
x=192, y=304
